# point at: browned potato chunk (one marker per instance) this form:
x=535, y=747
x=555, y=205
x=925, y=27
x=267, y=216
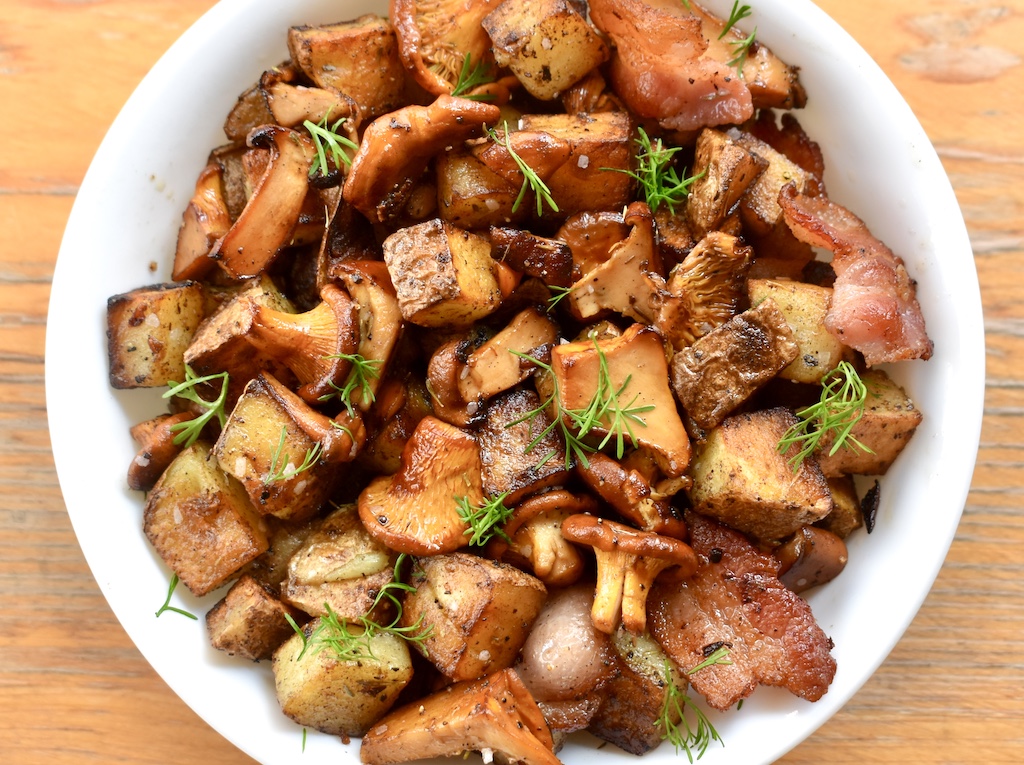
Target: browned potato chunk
x=726, y=171
x=804, y=307
x=443, y=276
x=343, y=697
x=725, y=367
x=200, y=521
x=846, y=516
x=358, y=58
x=887, y=425
x=148, y=330
x=740, y=478
x=471, y=195
x=479, y=612
x=249, y=621
x=548, y=44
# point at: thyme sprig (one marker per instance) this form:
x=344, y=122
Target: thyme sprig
x=604, y=411
x=348, y=644
x=359, y=379
x=655, y=171
x=843, y=397
x=473, y=77
x=694, y=731
x=327, y=138
x=531, y=181
x=167, y=602
x=282, y=469
x=484, y=520
x=190, y=430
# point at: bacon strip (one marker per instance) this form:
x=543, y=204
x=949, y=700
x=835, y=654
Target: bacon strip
x=736, y=599
x=874, y=302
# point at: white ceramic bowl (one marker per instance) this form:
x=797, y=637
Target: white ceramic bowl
x=880, y=164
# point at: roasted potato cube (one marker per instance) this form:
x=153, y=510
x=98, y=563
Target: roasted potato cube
x=725, y=367
x=339, y=566
x=443, y=276
x=759, y=206
x=804, y=306
x=342, y=697
x=249, y=621
x=740, y=478
x=889, y=421
x=548, y=44
x=471, y=195
x=358, y=58
x=479, y=612
x=846, y=516
x=726, y=170
x=263, y=445
x=509, y=462
x=200, y=521
x=148, y=330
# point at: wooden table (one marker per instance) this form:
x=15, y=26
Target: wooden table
x=74, y=690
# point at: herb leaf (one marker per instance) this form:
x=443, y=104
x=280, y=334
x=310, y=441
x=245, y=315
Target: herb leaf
x=281, y=469
x=719, y=656
x=363, y=371
x=469, y=78
x=485, y=519
x=843, y=396
x=531, y=180
x=327, y=138
x=191, y=429
x=167, y=602
x=694, y=731
x=742, y=50
x=737, y=14
x=659, y=180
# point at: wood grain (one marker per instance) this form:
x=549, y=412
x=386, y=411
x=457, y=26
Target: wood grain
x=75, y=690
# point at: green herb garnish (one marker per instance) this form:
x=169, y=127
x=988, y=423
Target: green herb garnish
x=167, y=602
x=694, y=731
x=657, y=175
x=469, y=78
x=531, y=180
x=840, y=408
x=191, y=429
x=738, y=13
x=558, y=295
x=485, y=519
x=282, y=469
x=327, y=138
x=363, y=371
x=718, y=656
x=742, y=50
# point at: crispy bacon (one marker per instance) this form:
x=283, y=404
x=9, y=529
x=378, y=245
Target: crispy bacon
x=736, y=600
x=874, y=303
x=660, y=68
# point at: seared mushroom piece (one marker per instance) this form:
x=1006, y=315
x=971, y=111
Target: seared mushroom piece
x=415, y=511
x=397, y=148
x=156, y=449
x=630, y=493
x=812, y=556
x=547, y=259
x=724, y=170
x=315, y=345
x=270, y=216
x=628, y=562
x=205, y=220
x=494, y=715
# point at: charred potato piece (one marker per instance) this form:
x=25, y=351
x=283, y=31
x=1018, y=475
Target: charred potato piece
x=548, y=44
x=200, y=521
x=725, y=171
x=249, y=621
x=148, y=330
x=471, y=195
x=340, y=696
x=846, y=516
x=478, y=612
x=740, y=478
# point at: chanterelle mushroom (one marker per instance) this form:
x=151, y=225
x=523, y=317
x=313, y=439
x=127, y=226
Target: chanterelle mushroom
x=628, y=562
x=494, y=715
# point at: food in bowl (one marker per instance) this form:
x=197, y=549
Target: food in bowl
x=528, y=332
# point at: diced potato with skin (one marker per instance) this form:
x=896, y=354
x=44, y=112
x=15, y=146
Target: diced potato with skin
x=497, y=365
x=725, y=367
x=548, y=44
x=638, y=374
x=479, y=612
x=340, y=697
x=250, y=444
x=804, y=306
x=249, y=621
x=148, y=330
x=443, y=276
x=726, y=170
x=200, y=521
x=471, y=195
x=887, y=425
x=359, y=58
x=846, y=516
x=339, y=565
x=740, y=478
